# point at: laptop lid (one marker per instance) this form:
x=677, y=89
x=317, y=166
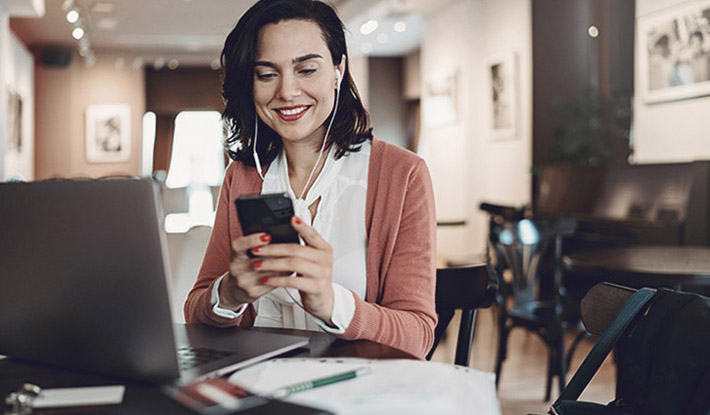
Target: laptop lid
x=83, y=280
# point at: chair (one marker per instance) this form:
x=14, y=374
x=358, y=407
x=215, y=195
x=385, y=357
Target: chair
x=465, y=289
x=185, y=252
x=520, y=246
x=660, y=338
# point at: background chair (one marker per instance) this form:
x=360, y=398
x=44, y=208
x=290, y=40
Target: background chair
x=185, y=251
x=520, y=246
x=465, y=289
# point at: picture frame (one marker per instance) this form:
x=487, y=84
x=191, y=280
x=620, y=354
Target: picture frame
x=108, y=133
x=674, y=53
x=502, y=91
x=15, y=139
x=440, y=105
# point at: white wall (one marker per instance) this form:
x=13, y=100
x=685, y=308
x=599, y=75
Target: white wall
x=467, y=165
x=4, y=58
x=669, y=131
x=19, y=76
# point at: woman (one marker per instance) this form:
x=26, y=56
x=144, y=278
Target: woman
x=364, y=208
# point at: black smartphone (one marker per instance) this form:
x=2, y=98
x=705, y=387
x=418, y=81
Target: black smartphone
x=270, y=213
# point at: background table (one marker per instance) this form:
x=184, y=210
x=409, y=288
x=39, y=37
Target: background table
x=148, y=399
x=644, y=265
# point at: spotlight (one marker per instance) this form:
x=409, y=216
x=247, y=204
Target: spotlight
x=77, y=33
x=368, y=27
x=72, y=16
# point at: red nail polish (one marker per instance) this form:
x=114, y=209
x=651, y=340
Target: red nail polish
x=256, y=250
x=297, y=220
x=265, y=237
x=256, y=265
x=264, y=280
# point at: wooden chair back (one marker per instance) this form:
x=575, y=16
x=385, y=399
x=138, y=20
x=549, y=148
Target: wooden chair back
x=601, y=304
x=465, y=289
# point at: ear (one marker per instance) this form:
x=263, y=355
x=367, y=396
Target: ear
x=340, y=68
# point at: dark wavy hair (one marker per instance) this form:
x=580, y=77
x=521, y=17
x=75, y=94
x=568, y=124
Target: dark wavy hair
x=351, y=126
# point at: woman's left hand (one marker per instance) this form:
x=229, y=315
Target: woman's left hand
x=313, y=263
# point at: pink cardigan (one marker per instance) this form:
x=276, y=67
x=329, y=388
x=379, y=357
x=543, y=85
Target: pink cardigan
x=398, y=309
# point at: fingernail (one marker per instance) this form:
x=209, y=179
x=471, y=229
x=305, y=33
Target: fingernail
x=264, y=280
x=256, y=265
x=297, y=220
x=255, y=250
x=265, y=237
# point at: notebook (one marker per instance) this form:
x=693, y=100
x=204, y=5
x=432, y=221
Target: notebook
x=84, y=284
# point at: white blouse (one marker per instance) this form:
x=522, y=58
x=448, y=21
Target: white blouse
x=340, y=220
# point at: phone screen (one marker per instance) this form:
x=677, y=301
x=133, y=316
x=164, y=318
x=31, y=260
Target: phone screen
x=270, y=213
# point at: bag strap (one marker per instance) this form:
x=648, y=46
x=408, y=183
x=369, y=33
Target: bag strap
x=603, y=346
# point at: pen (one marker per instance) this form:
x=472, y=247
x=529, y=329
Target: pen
x=316, y=383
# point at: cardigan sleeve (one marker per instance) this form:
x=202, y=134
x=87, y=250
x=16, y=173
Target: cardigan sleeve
x=198, y=306
x=403, y=314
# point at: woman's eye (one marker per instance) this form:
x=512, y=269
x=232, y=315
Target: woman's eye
x=307, y=72
x=265, y=76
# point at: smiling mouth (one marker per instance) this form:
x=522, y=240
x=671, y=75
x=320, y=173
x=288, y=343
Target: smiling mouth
x=292, y=113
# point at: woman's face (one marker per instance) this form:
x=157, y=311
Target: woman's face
x=294, y=80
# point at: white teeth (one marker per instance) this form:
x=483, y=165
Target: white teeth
x=293, y=111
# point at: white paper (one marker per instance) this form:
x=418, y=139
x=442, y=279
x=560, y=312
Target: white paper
x=92, y=395
x=392, y=387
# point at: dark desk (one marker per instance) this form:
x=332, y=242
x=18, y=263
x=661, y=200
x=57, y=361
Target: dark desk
x=148, y=399
x=644, y=265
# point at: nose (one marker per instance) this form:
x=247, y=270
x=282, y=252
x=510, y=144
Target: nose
x=289, y=87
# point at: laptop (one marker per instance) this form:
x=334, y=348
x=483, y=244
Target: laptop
x=84, y=285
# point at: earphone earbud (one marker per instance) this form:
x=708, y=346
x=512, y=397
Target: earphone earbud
x=338, y=78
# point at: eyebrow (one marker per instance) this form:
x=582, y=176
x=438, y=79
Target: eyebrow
x=294, y=60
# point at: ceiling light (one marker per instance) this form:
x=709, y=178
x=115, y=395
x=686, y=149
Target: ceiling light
x=400, y=27
x=173, y=64
x=137, y=63
x=368, y=27
x=593, y=31
x=366, y=48
x=72, y=16
x=158, y=64
x=382, y=38
x=103, y=7
x=77, y=33
x=215, y=64
x=68, y=4
x=120, y=63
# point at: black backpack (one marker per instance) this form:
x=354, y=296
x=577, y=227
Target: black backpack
x=663, y=358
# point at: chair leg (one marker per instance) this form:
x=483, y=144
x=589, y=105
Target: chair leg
x=502, y=349
x=556, y=364
x=550, y=370
x=577, y=340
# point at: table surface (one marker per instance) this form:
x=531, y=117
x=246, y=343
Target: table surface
x=660, y=265
x=142, y=398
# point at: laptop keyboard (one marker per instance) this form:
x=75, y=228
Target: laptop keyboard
x=189, y=356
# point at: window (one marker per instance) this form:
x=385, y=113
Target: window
x=197, y=164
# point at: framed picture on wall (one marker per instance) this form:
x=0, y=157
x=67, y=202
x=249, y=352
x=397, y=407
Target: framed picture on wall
x=440, y=102
x=502, y=92
x=14, y=123
x=674, y=52
x=108, y=133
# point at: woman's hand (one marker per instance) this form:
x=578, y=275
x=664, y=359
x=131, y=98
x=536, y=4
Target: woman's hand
x=313, y=263
x=243, y=284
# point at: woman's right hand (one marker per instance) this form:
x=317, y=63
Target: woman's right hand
x=243, y=283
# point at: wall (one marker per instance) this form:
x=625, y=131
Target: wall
x=670, y=131
x=19, y=76
x=4, y=57
x=63, y=95
x=467, y=164
x=388, y=115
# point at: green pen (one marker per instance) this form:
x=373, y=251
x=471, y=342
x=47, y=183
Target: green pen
x=317, y=383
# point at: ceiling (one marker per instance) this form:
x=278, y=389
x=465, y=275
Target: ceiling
x=192, y=31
